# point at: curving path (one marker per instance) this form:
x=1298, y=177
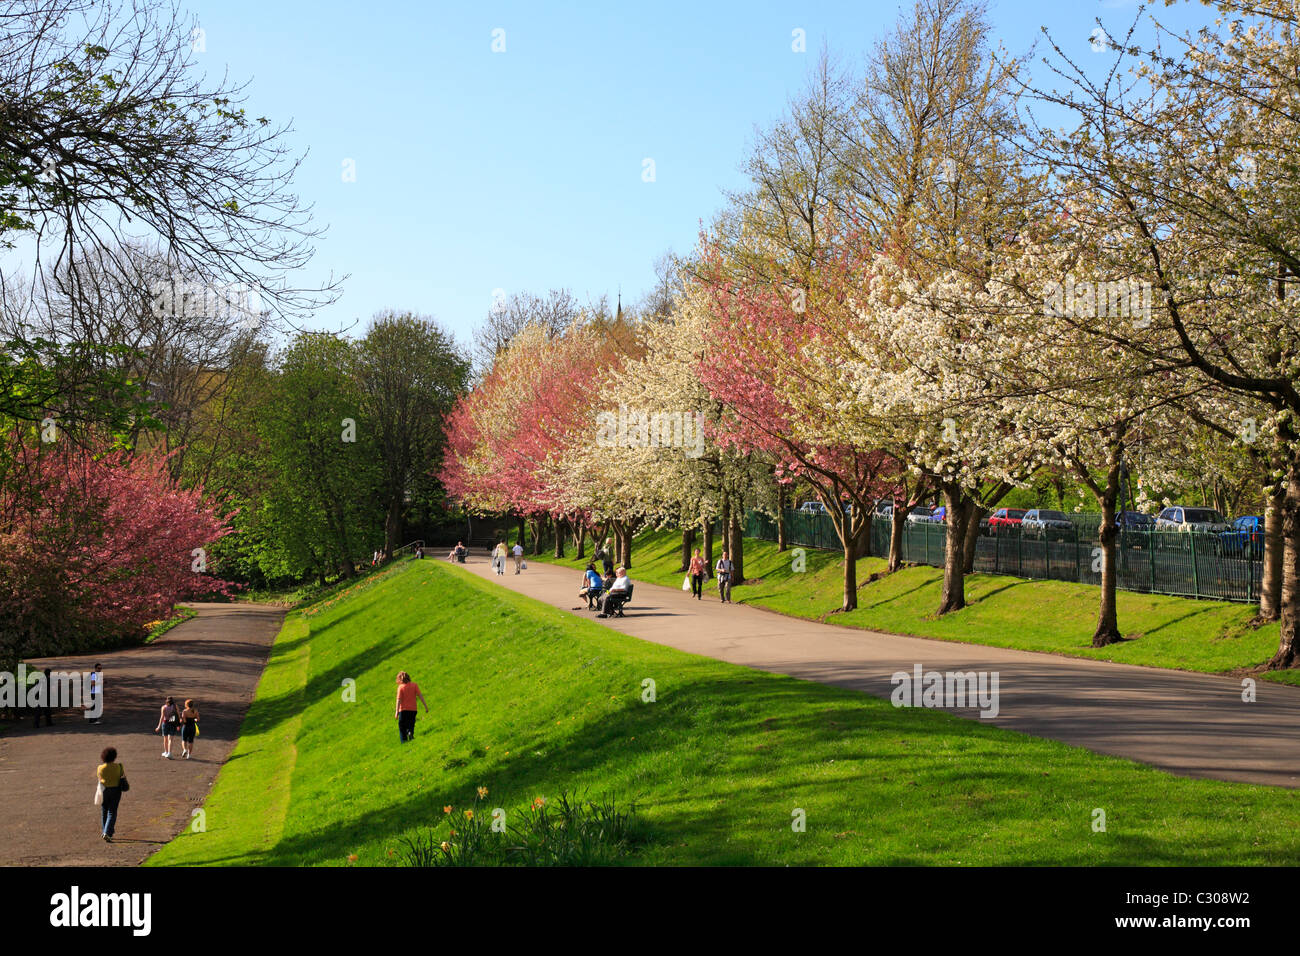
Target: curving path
x=47, y=776
x=1195, y=725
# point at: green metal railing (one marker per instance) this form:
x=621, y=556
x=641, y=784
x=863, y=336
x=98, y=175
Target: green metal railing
x=1190, y=564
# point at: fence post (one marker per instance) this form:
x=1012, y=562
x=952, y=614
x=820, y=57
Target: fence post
x=1078, y=569
x=1151, y=557
x=1250, y=570
x=1020, y=552
x=927, y=542
x=1047, y=554
x=1196, y=583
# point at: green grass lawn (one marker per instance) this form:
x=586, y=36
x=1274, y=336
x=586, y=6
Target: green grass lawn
x=529, y=701
x=1002, y=611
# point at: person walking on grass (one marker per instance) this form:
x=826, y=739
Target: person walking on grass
x=408, y=692
x=723, y=571
x=699, y=570
x=518, y=553
x=169, y=719
x=112, y=782
x=189, y=729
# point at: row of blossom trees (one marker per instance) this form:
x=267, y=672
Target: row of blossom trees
x=930, y=293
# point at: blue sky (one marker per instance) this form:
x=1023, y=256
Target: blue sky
x=522, y=170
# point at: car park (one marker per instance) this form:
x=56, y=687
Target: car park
x=813, y=508
x=1005, y=519
x=1246, y=532
x=920, y=514
x=1134, y=521
x=1039, y=522
x=1183, y=519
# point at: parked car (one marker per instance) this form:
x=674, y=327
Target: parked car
x=883, y=508
x=1179, y=518
x=1038, y=522
x=1134, y=521
x=813, y=508
x=921, y=514
x=1005, y=518
x=1247, y=530
x=939, y=514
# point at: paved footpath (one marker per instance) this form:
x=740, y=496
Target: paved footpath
x=1195, y=725
x=47, y=776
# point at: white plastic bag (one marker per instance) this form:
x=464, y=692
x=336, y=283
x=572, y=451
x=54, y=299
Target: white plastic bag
x=686, y=583
x=99, y=794
x=523, y=565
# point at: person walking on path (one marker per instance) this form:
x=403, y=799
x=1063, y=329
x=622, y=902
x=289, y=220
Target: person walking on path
x=699, y=569
x=518, y=552
x=499, y=558
x=112, y=778
x=408, y=692
x=169, y=719
x=607, y=557
x=189, y=729
x=723, y=571
x=94, y=684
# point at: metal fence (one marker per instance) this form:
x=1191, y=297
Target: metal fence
x=1224, y=567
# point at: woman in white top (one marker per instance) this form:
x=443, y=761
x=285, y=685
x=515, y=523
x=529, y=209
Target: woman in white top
x=499, y=558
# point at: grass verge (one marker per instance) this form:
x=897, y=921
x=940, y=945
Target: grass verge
x=529, y=701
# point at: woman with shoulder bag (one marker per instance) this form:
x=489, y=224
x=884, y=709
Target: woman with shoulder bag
x=112, y=780
x=169, y=719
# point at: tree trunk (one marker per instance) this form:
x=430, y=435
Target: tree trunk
x=539, y=528
x=559, y=537
x=971, y=539
x=688, y=542
x=1288, y=650
x=393, y=528
x=520, y=541
x=1270, y=582
x=897, y=524
x=580, y=537
x=737, y=548
x=625, y=547
x=959, y=507
x=850, y=573
x=1107, y=631
x=708, y=545
x=781, y=542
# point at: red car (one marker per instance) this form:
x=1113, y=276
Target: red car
x=1005, y=518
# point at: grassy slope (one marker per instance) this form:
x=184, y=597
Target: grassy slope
x=1054, y=616
x=528, y=700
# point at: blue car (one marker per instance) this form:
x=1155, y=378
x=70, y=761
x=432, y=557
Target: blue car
x=1247, y=531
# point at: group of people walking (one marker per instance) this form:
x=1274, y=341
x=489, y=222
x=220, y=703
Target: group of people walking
x=699, y=570
x=501, y=552
x=174, y=720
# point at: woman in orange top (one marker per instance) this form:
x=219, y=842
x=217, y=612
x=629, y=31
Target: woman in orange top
x=699, y=570
x=408, y=692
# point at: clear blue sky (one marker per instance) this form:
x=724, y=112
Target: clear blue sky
x=522, y=170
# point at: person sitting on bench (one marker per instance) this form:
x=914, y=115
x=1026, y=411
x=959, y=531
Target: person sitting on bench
x=617, y=595
x=592, y=586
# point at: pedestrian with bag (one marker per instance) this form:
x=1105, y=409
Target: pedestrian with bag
x=723, y=571
x=189, y=729
x=499, y=558
x=111, y=777
x=699, y=570
x=518, y=553
x=169, y=720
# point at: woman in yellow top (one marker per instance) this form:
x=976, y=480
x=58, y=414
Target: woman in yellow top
x=112, y=775
x=499, y=557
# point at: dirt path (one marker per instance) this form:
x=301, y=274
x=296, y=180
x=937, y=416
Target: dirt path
x=1196, y=725
x=47, y=776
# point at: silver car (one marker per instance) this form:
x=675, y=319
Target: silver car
x=1040, y=521
x=1179, y=518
